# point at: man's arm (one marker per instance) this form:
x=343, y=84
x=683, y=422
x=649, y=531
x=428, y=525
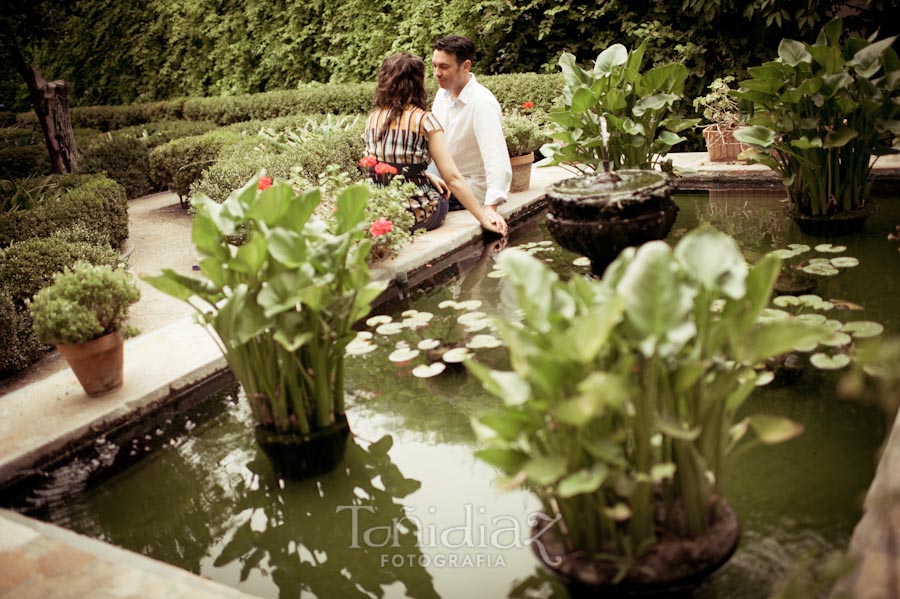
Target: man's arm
x=492, y=146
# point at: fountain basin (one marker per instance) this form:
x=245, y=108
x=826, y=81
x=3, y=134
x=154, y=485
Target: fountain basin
x=600, y=215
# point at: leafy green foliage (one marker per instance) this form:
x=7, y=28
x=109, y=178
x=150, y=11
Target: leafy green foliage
x=83, y=303
x=637, y=109
x=626, y=389
x=23, y=161
x=93, y=201
x=19, y=348
x=283, y=301
x=822, y=110
x=523, y=134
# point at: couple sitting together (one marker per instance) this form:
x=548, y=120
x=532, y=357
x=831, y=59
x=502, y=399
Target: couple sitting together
x=461, y=138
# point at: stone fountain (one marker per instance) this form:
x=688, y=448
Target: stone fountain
x=599, y=215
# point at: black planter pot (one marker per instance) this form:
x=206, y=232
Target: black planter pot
x=297, y=456
x=677, y=568
x=842, y=223
x=598, y=216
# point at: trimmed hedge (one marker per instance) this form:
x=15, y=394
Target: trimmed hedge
x=19, y=136
x=109, y=118
x=181, y=162
x=123, y=159
x=93, y=201
x=514, y=90
x=27, y=267
x=238, y=163
x=24, y=161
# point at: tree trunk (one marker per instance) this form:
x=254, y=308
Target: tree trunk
x=51, y=104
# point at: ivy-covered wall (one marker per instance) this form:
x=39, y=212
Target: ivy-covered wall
x=122, y=51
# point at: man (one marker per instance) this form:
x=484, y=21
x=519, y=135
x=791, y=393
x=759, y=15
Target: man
x=472, y=121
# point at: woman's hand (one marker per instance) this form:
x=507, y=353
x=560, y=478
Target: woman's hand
x=438, y=184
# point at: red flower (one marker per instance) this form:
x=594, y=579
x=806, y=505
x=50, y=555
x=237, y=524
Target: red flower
x=381, y=226
x=383, y=168
x=527, y=105
x=264, y=183
x=367, y=161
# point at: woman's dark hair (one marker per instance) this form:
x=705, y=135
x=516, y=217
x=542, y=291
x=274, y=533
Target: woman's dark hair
x=458, y=45
x=401, y=83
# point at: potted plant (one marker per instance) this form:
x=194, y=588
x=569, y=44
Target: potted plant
x=724, y=115
x=637, y=108
x=83, y=313
x=282, y=303
x=523, y=138
x=614, y=116
x=619, y=410
x=821, y=112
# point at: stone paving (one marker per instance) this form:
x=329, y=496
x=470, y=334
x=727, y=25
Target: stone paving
x=49, y=416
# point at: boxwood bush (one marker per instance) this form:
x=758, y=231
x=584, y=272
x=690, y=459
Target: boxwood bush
x=181, y=162
x=20, y=348
x=123, y=159
x=24, y=161
x=93, y=201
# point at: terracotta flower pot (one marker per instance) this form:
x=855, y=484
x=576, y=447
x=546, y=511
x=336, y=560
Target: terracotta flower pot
x=98, y=364
x=521, y=172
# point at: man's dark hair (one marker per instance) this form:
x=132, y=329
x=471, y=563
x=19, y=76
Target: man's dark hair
x=458, y=45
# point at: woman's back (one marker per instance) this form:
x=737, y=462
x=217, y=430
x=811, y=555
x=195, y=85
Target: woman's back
x=406, y=141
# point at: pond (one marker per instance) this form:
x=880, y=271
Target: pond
x=416, y=514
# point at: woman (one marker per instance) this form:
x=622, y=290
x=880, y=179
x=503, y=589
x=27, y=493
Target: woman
x=402, y=133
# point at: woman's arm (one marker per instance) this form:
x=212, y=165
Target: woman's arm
x=489, y=220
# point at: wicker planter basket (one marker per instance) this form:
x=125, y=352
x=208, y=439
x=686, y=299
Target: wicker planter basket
x=721, y=144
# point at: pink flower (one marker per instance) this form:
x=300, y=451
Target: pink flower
x=367, y=161
x=381, y=226
x=383, y=168
x=527, y=105
x=264, y=183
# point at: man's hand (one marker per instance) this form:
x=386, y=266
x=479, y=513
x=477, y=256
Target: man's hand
x=439, y=184
x=495, y=222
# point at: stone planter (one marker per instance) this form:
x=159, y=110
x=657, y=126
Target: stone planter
x=842, y=223
x=296, y=456
x=674, y=566
x=600, y=215
x=521, y=172
x=98, y=364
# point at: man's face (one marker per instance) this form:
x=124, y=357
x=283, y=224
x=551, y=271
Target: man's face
x=450, y=74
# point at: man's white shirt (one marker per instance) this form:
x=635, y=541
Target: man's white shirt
x=473, y=124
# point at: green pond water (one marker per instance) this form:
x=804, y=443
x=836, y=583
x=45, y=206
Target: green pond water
x=416, y=515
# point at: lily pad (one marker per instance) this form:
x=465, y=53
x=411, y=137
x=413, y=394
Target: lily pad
x=545, y=242
x=483, y=342
x=447, y=304
x=806, y=347
x=471, y=317
x=468, y=305
x=812, y=318
x=496, y=274
x=863, y=329
x=403, y=355
x=456, y=355
x=764, y=378
x=768, y=314
x=363, y=335
x=834, y=325
x=819, y=261
x=844, y=262
x=413, y=323
x=390, y=328
x=374, y=321
x=359, y=348
x=426, y=344
x=784, y=254
x=402, y=344
x=822, y=270
x=827, y=248
x=826, y=362
x=582, y=261
x=409, y=313
x=424, y=371
x=783, y=301
x=837, y=340
x=799, y=247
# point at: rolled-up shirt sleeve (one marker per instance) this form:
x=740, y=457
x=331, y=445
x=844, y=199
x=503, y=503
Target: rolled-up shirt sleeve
x=494, y=155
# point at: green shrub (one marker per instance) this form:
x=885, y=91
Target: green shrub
x=20, y=136
x=544, y=91
x=310, y=158
x=156, y=133
x=165, y=110
x=28, y=266
x=24, y=161
x=181, y=162
x=20, y=348
x=7, y=118
x=94, y=201
x=124, y=160
x=83, y=303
